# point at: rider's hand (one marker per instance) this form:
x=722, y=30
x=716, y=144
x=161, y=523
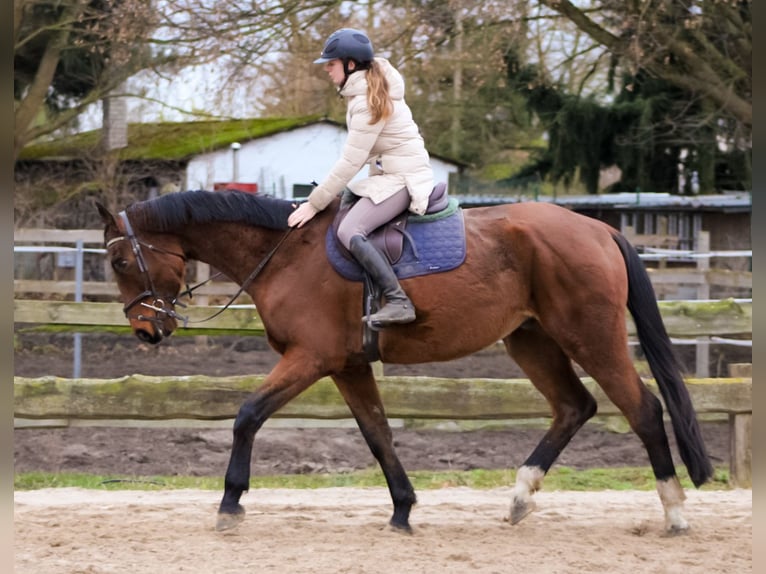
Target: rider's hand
x=301, y=215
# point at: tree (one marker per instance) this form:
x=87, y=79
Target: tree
x=451, y=54
x=651, y=130
x=703, y=47
x=664, y=122
x=71, y=53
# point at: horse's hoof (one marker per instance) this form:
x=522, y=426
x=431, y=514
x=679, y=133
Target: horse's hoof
x=520, y=508
x=676, y=530
x=229, y=520
x=402, y=528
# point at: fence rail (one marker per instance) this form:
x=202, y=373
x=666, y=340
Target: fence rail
x=65, y=288
x=663, y=280
x=215, y=398
x=682, y=318
x=700, y=276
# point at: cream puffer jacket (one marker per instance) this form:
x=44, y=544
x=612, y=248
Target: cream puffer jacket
x=393, y=148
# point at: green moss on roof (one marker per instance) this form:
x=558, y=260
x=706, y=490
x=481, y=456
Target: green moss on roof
x=168, y=140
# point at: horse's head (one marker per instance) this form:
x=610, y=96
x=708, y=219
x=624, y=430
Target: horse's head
x=149, y=271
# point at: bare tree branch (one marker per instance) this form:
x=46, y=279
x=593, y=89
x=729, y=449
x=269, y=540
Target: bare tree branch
x=663, y=49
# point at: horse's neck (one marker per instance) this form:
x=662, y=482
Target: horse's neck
x=238, y=251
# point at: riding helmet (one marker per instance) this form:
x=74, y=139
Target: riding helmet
x=345, y=44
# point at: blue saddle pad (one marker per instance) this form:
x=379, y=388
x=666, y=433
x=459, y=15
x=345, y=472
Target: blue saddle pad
x=439, y=244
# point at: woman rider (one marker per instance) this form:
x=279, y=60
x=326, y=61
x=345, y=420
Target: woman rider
x=381, y=133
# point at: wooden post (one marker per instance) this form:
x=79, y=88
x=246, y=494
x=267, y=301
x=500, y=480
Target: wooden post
x=741, y=457
x=703, y=292
x=741, y=370
x=203, y=274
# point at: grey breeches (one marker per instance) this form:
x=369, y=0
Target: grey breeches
x=365, y=216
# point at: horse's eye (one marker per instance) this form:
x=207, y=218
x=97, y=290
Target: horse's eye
x=119, y=264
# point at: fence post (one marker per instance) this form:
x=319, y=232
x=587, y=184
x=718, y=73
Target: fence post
x=702, y=245
x=202, y=275
x=741, y=458
x=78, y=278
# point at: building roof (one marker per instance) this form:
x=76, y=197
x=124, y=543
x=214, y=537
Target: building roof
x=177, y=141
x=169, y=141
x=730, y=202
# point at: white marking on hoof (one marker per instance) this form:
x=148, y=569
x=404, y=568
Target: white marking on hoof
x=672, y=497
x=528, y=481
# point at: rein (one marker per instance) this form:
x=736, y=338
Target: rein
x=245, y=284
x=158, y=303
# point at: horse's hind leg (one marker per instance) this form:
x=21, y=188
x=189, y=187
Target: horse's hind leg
x=551, y=372
x=360, y=391
x=614, y=372
x=601, y=349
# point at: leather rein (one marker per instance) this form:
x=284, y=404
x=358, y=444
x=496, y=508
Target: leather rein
x=158, y=304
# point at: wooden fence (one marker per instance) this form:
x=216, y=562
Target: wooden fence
x=698, y=323
x=206, y=398
x=211, y=398
x=62, y=280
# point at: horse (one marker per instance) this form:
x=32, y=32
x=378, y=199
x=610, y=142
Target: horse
x=552, y=284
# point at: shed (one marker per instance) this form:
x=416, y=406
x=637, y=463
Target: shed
x=675, y=220
x=279, y=156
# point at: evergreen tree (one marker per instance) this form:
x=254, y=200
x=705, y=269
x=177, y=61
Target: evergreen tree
x=658, y=133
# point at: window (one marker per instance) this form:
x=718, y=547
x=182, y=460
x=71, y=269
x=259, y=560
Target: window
x=669, y=230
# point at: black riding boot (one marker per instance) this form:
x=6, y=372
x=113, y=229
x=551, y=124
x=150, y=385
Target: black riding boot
x=398, y=307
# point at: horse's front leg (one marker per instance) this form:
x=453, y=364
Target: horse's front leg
x=360, y=391
x=292, y=375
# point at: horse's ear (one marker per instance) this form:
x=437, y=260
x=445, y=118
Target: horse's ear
x=110, y=223
x=106, y=215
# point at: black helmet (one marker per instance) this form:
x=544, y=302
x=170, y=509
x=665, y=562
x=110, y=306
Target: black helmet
x=345, y=44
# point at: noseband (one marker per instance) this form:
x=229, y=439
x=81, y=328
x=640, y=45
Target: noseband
x=158, y=304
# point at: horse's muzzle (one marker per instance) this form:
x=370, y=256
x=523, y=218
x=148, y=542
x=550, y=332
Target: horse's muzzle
x=154, y=323
x=153, y=329
x=152, y=336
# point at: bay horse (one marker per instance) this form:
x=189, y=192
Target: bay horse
x=552, y=284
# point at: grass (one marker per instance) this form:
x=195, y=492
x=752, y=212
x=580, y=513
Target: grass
x=559, y=478
x=169, y=140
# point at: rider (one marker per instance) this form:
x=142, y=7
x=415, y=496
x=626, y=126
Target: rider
x=381, y=133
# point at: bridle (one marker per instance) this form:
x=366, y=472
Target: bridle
x=158, y=304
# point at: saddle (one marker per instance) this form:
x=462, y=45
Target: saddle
x=435, y=242
x=413, y=244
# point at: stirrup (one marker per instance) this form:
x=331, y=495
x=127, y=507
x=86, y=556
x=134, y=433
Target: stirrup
x=392, y=313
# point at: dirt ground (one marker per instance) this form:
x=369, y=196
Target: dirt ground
x=204, y=451
x=343, y=530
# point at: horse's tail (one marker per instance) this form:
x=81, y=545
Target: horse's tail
x=656, y=345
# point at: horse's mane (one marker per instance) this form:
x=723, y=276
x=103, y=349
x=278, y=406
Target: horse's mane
x=175, y=210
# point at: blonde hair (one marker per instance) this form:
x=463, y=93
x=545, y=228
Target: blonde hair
x=378, y=100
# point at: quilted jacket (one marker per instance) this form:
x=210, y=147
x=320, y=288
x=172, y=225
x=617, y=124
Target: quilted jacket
x=393, y=148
